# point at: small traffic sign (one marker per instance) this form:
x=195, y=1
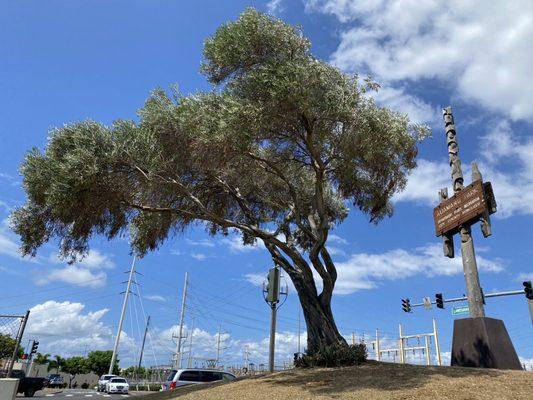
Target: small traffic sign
x=461, y=310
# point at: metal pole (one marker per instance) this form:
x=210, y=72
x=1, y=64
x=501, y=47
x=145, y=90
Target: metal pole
x=142, y=347
x=177, y=360
x=353, y=338
x=20, y=333
x=402, y=355
x=218, y=347
x=271, y=348
x=378, y=352
x=122, y=314
x=437, y=346
x=189, y=361
x=473, y=287
x=428, y=356
x=299, y=312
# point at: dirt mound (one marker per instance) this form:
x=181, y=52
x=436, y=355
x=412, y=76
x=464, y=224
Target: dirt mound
x=372, y=381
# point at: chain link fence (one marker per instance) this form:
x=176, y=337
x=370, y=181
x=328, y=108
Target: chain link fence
x=11, y=332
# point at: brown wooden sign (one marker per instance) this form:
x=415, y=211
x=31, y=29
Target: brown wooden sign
x=465, y=206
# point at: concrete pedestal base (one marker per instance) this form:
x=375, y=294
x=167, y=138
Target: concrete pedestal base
x=8, y=388
x=483, y=343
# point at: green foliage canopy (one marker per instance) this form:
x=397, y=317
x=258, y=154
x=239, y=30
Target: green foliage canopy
x=283, y=143
x=277, y=151
x=7, y=346
x=98, y=362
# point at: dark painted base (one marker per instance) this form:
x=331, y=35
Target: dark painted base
x=483, y=343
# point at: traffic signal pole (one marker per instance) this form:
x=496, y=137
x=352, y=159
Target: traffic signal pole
x=464, y=298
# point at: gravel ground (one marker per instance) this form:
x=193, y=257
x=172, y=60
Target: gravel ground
x=373, y=381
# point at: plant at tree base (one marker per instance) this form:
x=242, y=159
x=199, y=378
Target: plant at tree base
x=335, y=355
x=276, y=152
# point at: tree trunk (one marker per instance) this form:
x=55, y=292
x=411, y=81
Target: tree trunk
x=321, y=328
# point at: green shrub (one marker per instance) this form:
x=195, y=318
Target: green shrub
x=85, y=385
x=337, y=355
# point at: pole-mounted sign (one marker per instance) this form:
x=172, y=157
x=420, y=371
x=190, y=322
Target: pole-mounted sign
x=477, y=341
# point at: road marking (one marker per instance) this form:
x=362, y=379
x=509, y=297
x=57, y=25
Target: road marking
x=69, y=395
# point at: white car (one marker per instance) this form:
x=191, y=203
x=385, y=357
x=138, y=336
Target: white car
x=103, y=381
x=190, y=376
x=117, y=385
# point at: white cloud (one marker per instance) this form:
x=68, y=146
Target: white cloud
x=93, y=260
x=335, y=251
x=362, y=271
x=333, y=238
x=398, y=100
x=481, y=50
x=513, y=187
x=235, y=245
x=63, y=328
x=425, y=181
x=525, y=276
x=256, y=279
x=274, y=6
x=155, y=297
x=8, y=246
x=366, y=271
x=198, y=256
x=201, y=242
x=73, y=274
x=86, y=272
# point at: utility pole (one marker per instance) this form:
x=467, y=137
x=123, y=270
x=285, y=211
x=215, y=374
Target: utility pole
x=189, y=361
x=142, y=347
x=246, y=354
x=177, y=359
x=378, y=350
x=402, y=351
x=428, y=356
x=218, y=347
x=122, y=314
x=437, y=345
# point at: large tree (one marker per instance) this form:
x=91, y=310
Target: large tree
x=278, y=151
x=75, y=366
x=98, y=362
x=7, y=347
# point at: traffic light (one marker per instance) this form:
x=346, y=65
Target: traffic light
x=34, y=347
x=272, y=289
x=406, y=305
x=439, y=300
x=528, y=290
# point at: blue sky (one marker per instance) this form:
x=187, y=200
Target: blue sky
x=68, y=60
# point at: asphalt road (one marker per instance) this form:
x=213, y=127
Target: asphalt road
x=81, y=394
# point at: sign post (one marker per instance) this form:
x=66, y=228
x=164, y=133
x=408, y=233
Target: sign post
x=478, y=341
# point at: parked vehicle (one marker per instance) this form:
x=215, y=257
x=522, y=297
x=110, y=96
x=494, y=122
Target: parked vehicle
x=103, y=381
x=117, y=385
x=190, y=376
x=55, y=380
x=28, y=386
